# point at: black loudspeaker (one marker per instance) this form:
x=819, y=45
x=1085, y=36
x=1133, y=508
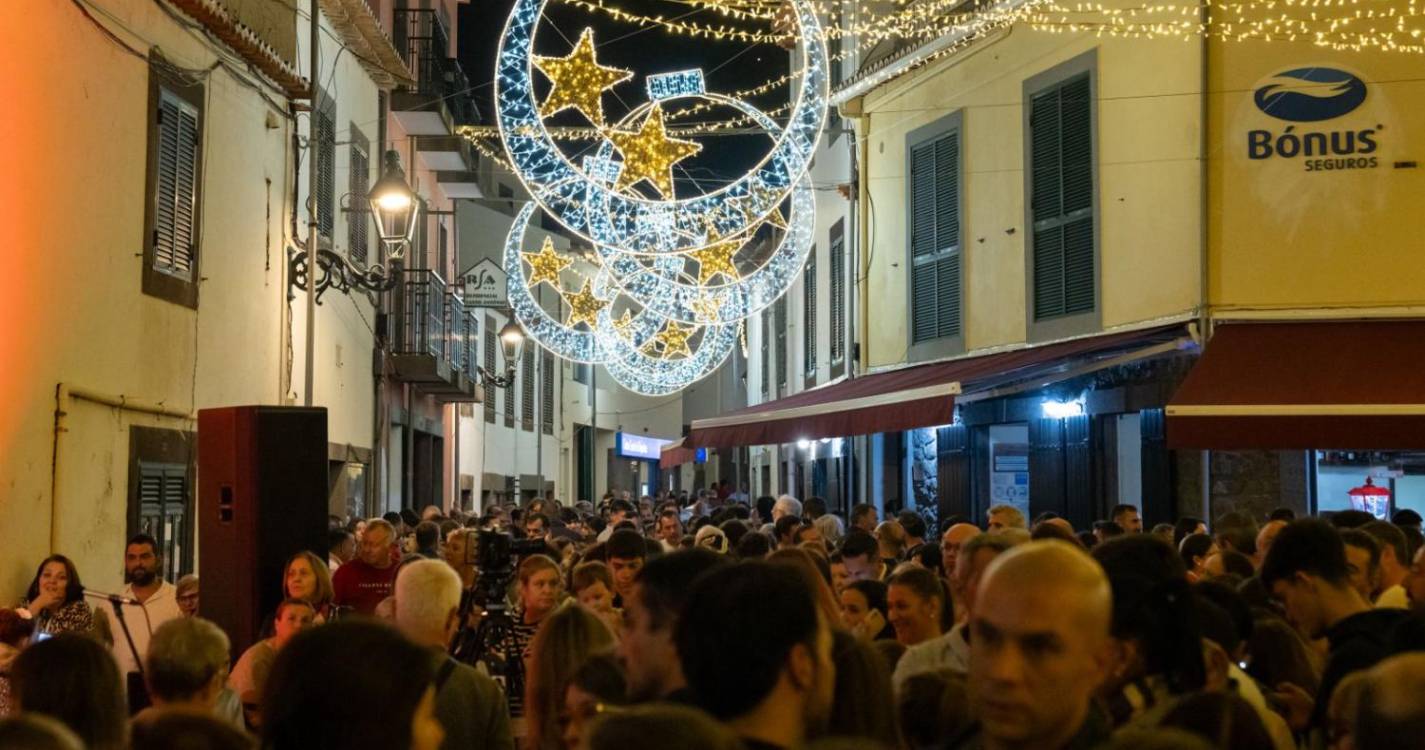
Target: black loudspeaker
x=262, y=497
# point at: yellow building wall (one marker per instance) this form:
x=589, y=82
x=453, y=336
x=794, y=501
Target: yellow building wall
x=1285, y=232
x=73, y=309
x=1149, y=172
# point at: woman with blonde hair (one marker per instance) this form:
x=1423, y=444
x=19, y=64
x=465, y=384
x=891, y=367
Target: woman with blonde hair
x=306, y=577
x=565, y=641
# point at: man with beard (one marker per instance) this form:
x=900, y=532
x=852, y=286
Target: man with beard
x=650, y=619
x=765, y=671
x=143, y=575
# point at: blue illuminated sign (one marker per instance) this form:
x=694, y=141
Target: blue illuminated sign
x=639, y=446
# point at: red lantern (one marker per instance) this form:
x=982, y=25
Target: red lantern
x=1371, y=499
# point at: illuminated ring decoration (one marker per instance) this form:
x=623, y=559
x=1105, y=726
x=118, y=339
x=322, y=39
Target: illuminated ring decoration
x=565, y=191
x=659, y=290
x=624, y=357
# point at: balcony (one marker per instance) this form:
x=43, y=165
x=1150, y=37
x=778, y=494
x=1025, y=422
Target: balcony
x=434, y=338
x=440, y=99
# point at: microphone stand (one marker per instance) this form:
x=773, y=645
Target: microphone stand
x=118, y=603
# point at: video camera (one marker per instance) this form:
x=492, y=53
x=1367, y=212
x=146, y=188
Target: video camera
x=494, y=555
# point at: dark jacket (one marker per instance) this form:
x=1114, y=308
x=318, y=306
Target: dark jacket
x=471, y=708
x=1357, y=642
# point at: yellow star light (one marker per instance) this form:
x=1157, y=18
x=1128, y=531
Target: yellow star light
x=674, y=338
x=717, y=259
x=621, y=325
x=707, y=308
x=584, y=307
x=649, y=154
x=579, y=80
x=546, y=264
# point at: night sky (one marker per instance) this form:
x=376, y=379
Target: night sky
x=727, y=65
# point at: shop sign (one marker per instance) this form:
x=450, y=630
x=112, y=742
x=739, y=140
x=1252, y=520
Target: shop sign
x=485, y=285
x=1314, y=116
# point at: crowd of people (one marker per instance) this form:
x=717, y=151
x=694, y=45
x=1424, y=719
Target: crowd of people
x=718, y=621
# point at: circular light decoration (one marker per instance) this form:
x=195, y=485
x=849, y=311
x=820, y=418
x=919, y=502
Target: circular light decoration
x=667, y=263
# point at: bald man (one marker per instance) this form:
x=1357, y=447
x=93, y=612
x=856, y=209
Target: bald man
x=950, y=543
x=1390, y=714
x=1039, y=629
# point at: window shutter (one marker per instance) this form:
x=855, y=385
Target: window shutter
x=838, y=297
x=766, y=355
x=527, y=390
x=324, y=149
x=358, y=183
x=1062, y=195
x=809, y=315
x=780, y=324
x=176, y=188
x=935, y=240
x=546, y=393
x=163, y=503
x=489, y=359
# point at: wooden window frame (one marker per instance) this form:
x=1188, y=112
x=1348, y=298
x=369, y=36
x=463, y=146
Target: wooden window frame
x=156, y=283
x=941, y=346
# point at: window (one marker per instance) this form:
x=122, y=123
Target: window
x=323, y=151
x=581, y=373
x=527, y=390
x=358, y=183
x=935, y=282
x=809, y=317
x=161, y=473
x=779, y=323
x=766, y=346
x=504, y=191
x=838, y=292
x=442, y=235
x=1061, y=190
x=489, y=359
x=174, y=188
x=546, y=393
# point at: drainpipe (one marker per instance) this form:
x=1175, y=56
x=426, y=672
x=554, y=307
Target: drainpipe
x=64, y=396
x=312, y=217
x=381, y=413
x=863, y=271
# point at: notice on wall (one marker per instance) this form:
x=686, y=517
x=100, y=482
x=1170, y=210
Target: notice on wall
x=1009, y=474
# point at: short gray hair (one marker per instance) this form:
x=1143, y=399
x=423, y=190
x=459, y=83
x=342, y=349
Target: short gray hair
x=790, y=504
x=426, y=591
x=384, y=525
x=1015, y=517
x=831, y=528
x=184, y=656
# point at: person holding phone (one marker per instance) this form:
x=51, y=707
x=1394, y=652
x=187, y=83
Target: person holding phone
x=55, y=599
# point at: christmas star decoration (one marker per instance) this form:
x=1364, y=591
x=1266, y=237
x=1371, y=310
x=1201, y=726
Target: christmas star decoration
x=674, y=338
x=579, y=81
x=717, y=259
x=707, y=308
x=584, y=307
x=649, y=154
x=546, y=264
x=621, y=325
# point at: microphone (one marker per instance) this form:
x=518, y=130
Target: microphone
x=113, y=598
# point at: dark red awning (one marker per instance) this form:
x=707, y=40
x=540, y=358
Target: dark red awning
x=676, y=453
x=1305, y=386
x=908, y=398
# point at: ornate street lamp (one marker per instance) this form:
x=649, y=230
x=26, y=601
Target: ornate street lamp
x=397, y=212
x=512, y=342
x=395, y=207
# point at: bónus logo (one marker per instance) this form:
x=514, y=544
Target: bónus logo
x=1311, y=95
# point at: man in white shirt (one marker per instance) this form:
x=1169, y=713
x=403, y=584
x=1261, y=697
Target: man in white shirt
x=159, y=601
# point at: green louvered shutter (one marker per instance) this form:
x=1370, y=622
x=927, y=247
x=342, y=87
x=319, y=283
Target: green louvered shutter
x=1062, y=199
x=935, y=239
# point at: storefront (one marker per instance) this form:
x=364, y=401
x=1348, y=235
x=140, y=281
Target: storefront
x=634, y=463
x=1073, y=427
x=1337, y=407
